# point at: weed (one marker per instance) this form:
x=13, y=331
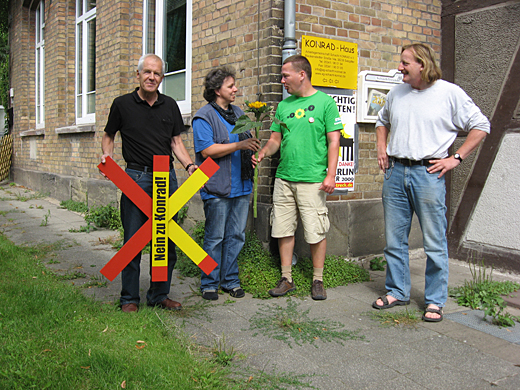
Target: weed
x=72, y=276
x=259, y=270
x=46, y=217
x=116, y=240
x=104, y=217
x=403, y=318
x=3, y=212
x=496, y=310
x=36, y=195
x=182, y=214
x=95, y=281
x=52, y=261
x=377, y=264
x=291, y=323
x=483, y=293
x=83, y=229
x=275, y=381
x=74, y=205
x=12, y=184
x=222, y=354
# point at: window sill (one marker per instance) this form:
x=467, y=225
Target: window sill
x=87, y=128
x=32, y=132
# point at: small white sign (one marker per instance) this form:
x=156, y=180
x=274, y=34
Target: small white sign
x=372, y=90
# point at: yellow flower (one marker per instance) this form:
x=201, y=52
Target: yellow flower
x=256, y=105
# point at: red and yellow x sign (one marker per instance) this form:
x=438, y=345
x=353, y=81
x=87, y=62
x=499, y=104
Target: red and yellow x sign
x=144, y=235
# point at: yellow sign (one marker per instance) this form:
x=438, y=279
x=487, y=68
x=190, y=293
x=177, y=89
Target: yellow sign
x=334, y=63
x=160, y=223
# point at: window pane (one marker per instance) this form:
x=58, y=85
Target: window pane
x=150, y=41
x=42, y=84
x=79, y=61
x=174, y=86
x=91, y=4
x=38, y=86
x=175, y=48
x=79, y=106
x=38, y=26
x=91, y=56
x=79, y=7
x=91, y=103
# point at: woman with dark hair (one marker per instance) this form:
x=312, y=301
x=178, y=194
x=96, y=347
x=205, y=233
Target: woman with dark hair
x=226, y=194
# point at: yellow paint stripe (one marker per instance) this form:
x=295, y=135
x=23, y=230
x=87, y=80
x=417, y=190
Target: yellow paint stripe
x=186, y=243
x=186, y=192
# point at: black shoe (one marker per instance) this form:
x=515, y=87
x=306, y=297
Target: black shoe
x=210, y=295
x=236, y=292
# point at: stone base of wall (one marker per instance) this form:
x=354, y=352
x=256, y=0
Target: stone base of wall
x=92, y=191
x=357, y=228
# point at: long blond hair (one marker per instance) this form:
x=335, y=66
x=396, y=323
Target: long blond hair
x=426, y=57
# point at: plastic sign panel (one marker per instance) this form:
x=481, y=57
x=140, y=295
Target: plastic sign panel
x=373, y=88
x=160, y=211
x=334, y=63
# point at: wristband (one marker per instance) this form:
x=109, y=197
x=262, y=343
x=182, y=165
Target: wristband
x=188, y=166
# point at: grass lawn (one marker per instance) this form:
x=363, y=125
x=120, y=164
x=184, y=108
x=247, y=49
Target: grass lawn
x=52, y=337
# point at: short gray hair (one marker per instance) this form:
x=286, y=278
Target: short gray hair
x=140, y=64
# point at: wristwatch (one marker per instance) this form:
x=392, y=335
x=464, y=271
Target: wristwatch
x=457, y=156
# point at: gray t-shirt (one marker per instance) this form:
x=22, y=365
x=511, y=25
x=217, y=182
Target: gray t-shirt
x=424, y=123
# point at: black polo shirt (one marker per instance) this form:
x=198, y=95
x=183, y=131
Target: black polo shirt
x=146, y=130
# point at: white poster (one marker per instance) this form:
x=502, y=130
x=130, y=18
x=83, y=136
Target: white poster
x=346, y=163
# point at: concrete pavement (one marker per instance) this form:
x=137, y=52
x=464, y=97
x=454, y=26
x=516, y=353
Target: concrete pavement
x=448, y=355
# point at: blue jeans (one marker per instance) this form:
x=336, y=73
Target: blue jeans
x=132, y=219
x=407, y=190
x=224, y=237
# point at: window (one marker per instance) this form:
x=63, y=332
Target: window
x=85, y=61
x=40, y=65
x=167, y=33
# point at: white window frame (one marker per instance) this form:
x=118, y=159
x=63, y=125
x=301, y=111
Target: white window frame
x=82, y=22
x=184, y=105
x=40, y=65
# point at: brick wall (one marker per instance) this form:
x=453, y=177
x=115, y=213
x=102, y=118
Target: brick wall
x=379, y=28
x=244, y=34
x=228, y=33
x=247, y=37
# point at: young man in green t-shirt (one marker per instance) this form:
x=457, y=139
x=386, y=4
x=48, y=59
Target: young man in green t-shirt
x=309, y=148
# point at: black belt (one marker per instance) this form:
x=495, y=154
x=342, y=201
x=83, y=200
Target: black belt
x=141, y=168
x=408, y=162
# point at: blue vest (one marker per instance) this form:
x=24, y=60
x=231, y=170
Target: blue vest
x=220, y=183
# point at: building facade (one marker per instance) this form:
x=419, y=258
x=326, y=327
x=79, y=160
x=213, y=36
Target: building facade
x=71, y=58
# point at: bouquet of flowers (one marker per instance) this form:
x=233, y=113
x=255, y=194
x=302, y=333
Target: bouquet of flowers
x=261, y=111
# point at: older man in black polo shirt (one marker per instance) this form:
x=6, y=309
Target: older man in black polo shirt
x=150, y=124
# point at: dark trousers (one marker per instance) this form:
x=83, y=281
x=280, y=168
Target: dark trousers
x=132, y=219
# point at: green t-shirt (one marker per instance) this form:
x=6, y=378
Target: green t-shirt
x=304, y=147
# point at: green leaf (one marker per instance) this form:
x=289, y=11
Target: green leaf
x=279, y=122
x=244, y=126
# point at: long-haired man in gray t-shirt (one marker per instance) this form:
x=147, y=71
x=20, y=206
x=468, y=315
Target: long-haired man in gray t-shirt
x=422, y=118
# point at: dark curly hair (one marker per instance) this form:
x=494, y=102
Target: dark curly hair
x=214, y=80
